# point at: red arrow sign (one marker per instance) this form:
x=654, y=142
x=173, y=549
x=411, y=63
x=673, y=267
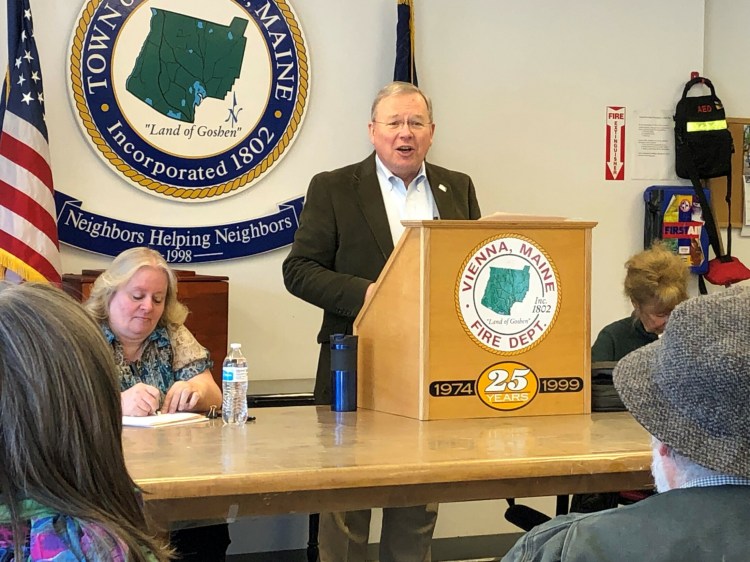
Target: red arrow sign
x=615, y=162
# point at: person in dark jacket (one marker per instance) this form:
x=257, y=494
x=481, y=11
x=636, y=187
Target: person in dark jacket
x=348, y=228
x=655, y=282
x=689, y=391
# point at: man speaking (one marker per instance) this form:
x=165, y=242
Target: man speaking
x=348, y=227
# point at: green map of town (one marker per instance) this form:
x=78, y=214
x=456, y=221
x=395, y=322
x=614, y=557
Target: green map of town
x=505, y=288
x=184, y=60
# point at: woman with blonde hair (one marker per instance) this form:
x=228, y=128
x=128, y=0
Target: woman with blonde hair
x=64, y=488
x=162, y=366
x=655, y=282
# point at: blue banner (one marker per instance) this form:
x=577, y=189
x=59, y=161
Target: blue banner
x=194, y=244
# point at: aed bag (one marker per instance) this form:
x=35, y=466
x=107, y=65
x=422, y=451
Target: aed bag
x=703, y=143
x=703, y=150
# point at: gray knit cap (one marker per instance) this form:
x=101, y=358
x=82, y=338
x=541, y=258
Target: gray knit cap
x=691, y=389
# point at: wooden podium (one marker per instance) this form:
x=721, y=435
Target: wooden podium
x=474, y=319
x=206, y=297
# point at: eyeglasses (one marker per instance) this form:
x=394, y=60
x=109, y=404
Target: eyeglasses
x=412, y=124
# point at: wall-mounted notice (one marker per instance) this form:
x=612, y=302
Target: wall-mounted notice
x=653, y=142
x=615, y=149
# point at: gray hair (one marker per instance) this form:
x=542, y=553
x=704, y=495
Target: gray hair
x=397, y=89
x=121, y=271
x=686, y=470
x=61, y=420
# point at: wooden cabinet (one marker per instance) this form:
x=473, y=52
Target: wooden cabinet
x=206, y=297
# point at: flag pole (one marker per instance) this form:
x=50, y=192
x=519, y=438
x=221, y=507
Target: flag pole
x=405, y=68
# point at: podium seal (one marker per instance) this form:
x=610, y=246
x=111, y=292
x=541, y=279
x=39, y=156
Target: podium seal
x=507, y=294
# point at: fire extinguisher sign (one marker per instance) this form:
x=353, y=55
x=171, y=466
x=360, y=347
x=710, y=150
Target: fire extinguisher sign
x=615, y=159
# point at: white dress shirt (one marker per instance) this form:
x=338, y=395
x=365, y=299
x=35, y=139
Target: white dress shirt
x=412, y=202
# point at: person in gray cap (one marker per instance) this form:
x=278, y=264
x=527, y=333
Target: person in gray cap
x=690, y=391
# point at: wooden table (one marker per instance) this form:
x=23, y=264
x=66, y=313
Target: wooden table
x=308, y=459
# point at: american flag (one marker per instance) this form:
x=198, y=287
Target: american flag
x=28, y=229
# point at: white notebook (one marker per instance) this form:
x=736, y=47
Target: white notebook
x=159, y=420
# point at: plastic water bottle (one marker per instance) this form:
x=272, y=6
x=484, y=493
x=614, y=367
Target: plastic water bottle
x=234, y=387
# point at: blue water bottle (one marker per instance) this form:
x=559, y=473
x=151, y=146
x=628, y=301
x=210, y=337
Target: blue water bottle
x=343, y=373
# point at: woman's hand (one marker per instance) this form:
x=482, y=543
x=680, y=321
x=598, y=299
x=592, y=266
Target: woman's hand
x=140, y=400
x=195, y=395
x=183, y=396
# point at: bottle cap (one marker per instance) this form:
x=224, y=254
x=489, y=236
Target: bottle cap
x=235, y=345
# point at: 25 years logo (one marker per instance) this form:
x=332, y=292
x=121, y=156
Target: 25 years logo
x=507, y=294
x=189, y=99
x=507, y=386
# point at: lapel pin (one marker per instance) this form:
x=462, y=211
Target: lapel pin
x=441, y=187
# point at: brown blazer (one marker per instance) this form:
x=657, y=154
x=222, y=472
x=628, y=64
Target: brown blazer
x=344, y=239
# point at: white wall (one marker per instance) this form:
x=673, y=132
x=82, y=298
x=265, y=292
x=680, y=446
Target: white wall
x=726, y=49
x=521, y=90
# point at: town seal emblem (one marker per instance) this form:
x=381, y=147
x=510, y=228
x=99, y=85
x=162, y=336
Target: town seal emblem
x=189, y=99
x=507, y=294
